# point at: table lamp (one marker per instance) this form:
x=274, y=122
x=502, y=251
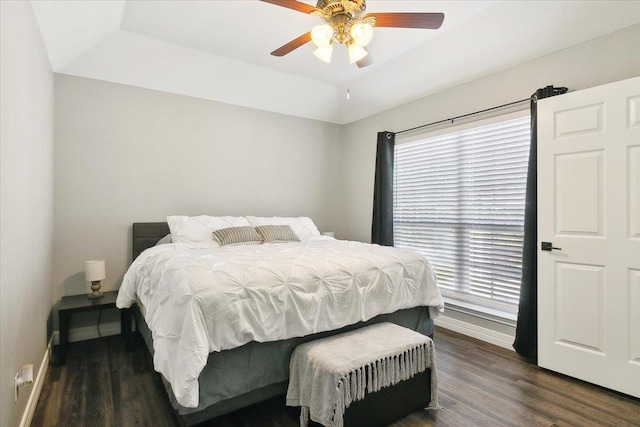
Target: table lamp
x=94, y=273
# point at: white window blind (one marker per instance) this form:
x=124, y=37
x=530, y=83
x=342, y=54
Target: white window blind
x=459, y=199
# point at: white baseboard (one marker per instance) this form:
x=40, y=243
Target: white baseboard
x=89, y=332
x=478, y=332
x=30, y=409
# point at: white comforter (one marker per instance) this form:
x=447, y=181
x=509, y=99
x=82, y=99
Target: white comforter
x=200, y=299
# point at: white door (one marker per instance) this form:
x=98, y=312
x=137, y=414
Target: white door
x=589, y=208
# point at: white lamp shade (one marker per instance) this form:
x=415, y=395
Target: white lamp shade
x=324, y=53
x=361, y=34
x=322, y=35
x=356, y=53
x=94, y=270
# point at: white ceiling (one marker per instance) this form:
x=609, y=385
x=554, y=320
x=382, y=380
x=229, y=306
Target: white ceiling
x=219, y=49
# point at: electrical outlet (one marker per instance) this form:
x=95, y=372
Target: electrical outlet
x=22, y=380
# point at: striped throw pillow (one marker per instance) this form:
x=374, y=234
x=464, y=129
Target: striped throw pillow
x=237, y=236
x=277, y=233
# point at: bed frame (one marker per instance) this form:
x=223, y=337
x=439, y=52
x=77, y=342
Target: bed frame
x=146, y=235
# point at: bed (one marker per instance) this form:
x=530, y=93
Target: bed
x=251, y=365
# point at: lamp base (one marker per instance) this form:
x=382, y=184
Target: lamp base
x=95, y=287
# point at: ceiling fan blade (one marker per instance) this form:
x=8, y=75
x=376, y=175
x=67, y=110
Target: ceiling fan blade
x=430, y=21
x=366, y=61
x=292, y=4
x=292, y=45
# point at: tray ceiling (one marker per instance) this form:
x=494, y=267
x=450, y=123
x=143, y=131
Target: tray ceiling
x=219, y=50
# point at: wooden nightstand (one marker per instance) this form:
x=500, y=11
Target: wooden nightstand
x=80, y=303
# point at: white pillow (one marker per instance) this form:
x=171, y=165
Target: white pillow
x=303, y=226
x=201, y=228
x=166, y=239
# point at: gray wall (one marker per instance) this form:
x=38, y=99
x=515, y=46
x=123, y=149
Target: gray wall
x=603, y=60
x=126, y=154
x=26, y=200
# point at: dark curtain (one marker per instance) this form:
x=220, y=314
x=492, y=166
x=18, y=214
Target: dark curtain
x=382, y=226
x=526, y=342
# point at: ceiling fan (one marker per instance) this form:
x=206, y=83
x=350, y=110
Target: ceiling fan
x=347, y=23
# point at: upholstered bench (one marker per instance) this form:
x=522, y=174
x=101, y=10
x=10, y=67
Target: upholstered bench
x=329, y=374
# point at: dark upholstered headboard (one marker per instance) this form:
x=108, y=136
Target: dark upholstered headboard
x=147, y=234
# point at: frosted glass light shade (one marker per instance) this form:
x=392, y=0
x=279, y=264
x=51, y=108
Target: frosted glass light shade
x=94, y=270
x=356, y=53
x=322, y=35
x=324, y=53
x=361, y=34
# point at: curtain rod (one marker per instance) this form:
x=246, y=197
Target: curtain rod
x=463, y=116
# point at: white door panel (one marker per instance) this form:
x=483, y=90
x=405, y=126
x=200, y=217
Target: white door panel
x=579, y=213
x=634, y=312
x=634, y=192
x=589, y=207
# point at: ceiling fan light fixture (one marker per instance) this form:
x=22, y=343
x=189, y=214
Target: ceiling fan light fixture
x=346, y=22
x=361, y=33
x=324, y=53
x=356, y=53
x=322, y=35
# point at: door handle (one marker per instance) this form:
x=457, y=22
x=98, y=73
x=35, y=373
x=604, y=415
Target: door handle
x=548, y=246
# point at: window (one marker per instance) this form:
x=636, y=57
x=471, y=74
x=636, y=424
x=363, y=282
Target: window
x=459, y=199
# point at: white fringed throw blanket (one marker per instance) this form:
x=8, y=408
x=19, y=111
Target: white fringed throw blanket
x=327, y=374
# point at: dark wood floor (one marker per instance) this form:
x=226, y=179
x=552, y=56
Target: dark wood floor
x=480, y=385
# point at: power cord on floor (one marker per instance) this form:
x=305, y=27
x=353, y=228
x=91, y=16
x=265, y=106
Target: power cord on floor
x=98, y=325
